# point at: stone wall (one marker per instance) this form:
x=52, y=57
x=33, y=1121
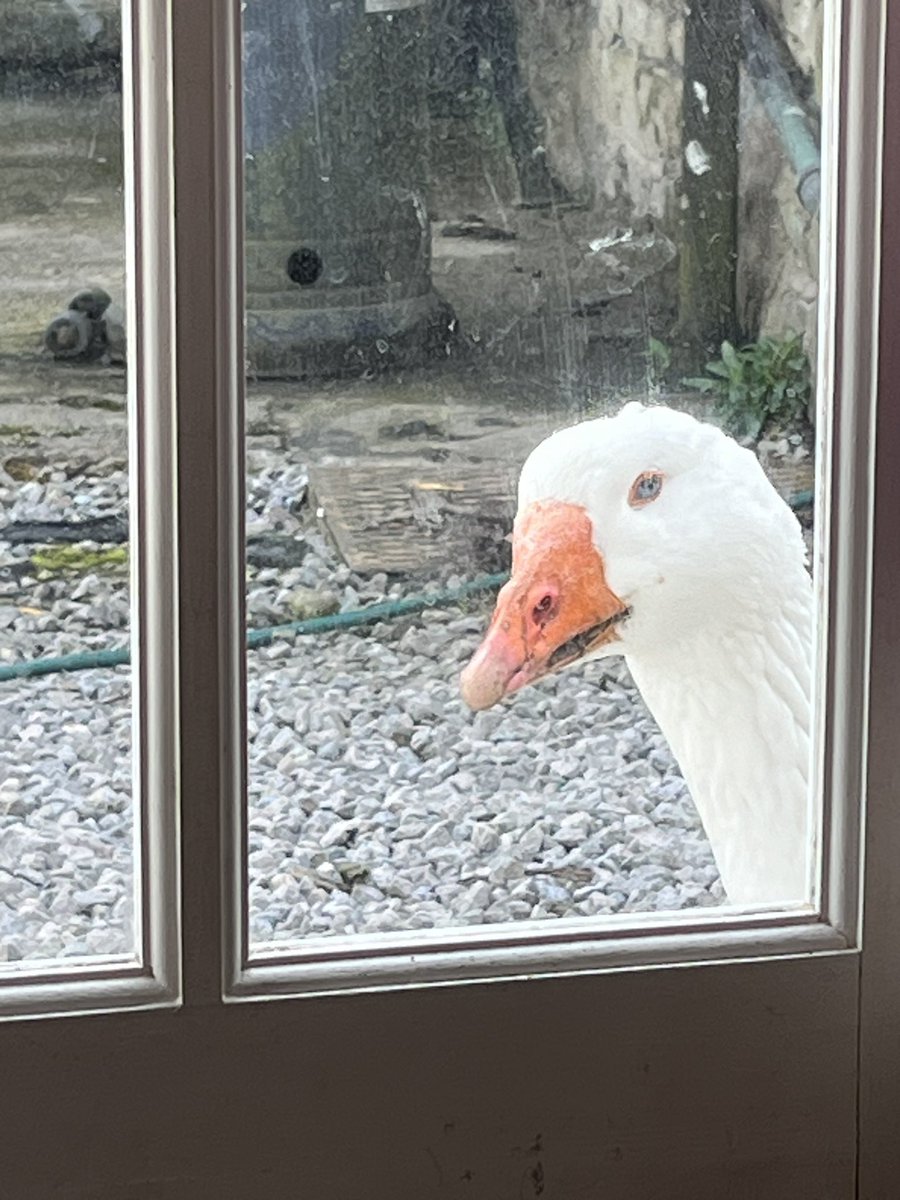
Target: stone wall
x=608, y=79
x=43, y=33
x=779, y=240
x=778, y=264
x=801, y=22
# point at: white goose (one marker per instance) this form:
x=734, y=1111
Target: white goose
x=654, y=535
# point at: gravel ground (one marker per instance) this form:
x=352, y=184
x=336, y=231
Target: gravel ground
x=377, y=800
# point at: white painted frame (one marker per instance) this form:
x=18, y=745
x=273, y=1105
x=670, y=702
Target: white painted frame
x=150, y=978
x=848, y=314
x=775, y=1076
x=409, y=960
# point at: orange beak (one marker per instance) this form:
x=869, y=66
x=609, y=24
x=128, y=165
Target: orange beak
x=556, y=607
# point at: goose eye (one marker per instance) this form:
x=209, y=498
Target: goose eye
x=645, y=488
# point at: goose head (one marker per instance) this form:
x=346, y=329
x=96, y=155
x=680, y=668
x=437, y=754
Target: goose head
x=634, y=534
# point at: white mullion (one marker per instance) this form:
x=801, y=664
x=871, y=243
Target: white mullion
x=229, y=156
x=149, y=211
x=848, y=369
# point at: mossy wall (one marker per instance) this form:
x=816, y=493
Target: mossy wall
x=608, y=77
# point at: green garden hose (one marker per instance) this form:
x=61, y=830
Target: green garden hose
x=385, y=610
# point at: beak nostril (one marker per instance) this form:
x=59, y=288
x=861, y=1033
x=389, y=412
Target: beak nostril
x=544, y=609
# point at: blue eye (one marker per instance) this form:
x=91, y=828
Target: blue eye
x=645, y=488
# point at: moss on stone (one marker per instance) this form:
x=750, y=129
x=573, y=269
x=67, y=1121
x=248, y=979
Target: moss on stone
x=78, y=560
x=20, y=431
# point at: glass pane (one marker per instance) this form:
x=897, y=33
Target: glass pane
x=472, y=223
x=66, y=813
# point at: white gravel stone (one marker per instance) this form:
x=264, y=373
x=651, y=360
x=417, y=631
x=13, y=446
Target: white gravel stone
x=378, y=802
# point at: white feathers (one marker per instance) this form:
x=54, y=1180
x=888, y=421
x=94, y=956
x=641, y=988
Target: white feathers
x=719, y=640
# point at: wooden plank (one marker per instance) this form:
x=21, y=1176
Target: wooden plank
x=400, y=515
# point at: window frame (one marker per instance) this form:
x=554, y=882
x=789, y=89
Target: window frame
x=731, y=1078
x=185, y=248
x=847, y=315
x=151, y=977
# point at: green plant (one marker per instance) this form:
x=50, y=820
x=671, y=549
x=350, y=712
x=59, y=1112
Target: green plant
x=658, y=354
x=659, y=359
x=764, y=382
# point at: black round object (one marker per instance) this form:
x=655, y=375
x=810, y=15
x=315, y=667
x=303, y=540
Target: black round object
x=304, y=266
x=93, y=302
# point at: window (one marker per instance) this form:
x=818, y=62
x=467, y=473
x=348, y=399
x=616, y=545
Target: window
x=87, y=870
x=68, y=847
x=439, y=274
x=765, y=1063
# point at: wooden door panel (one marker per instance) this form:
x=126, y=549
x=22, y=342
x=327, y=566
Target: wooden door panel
x=733, y=1081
